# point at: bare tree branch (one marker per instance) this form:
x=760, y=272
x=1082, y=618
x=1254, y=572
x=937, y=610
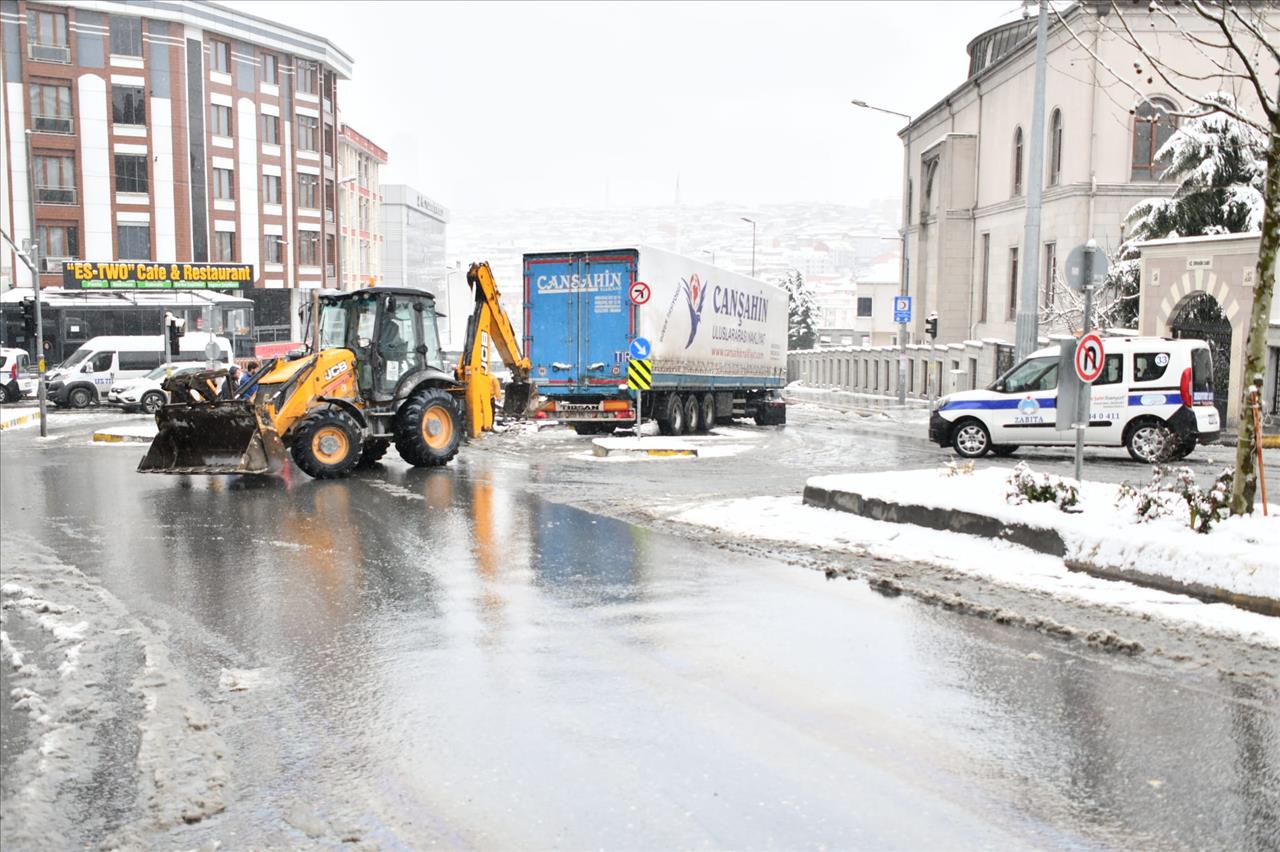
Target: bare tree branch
x=1124, y=81
x=1263, y=95
x=1275, y=53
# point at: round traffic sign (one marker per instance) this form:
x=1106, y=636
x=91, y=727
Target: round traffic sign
x=640, y=292
x=640, y=348
x=1089, y=357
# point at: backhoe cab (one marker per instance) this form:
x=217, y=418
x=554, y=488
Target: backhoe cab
x=373, y=374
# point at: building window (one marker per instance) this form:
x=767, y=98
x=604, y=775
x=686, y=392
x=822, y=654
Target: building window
x=308, y=77
x=330, y=202
x=271, y=129
x=1153, y=124
x=55, y=178
x=126, y=35
x=330, y=257
x=973, y=374
x=1050, y=272
x=57, y=243
x=270, y=68
x=1017, y=161
x=224, y=246
x=134, y=242
x=986, y=277
x=51, y=107
x=271, y=189
x=1055, y=148
x=308, y=133
x=47, y=36
x=131, y=173
x=864, y=306
x=328, y=145
x=309, y=191
x=128, y=105
x=224, y=184
x=308, y=248
x=220, y=56
x=1013, y=283
x=272, y=248
x=220, y=120
x=926, y=200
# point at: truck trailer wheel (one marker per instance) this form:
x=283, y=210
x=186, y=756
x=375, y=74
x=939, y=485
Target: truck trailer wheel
x=326, y=445
x=708, y=411
x=671, y=419
x=428, y=428
x=693, y=415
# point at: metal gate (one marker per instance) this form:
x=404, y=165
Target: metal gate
x=1200, y=317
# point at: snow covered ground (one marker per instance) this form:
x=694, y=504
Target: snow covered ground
x=1240, y=555
x=1242, y=543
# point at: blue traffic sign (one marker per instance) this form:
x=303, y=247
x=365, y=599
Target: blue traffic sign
x=640, y=348
x=901, y=309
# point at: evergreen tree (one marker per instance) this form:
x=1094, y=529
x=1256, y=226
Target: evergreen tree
x=1219, y=164
x=802, y=313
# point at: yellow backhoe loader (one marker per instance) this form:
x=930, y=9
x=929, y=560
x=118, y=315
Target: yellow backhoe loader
x=373, y=374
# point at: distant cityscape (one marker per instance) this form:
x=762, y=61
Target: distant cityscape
x=833, y=246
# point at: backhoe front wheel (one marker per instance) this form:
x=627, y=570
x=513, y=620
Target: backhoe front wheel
x=326, y=445
x=428, y=428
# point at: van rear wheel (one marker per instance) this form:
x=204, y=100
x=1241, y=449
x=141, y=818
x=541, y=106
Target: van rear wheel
x=971, y=439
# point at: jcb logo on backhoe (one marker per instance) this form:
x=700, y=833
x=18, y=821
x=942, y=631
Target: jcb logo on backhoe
x=336, y=369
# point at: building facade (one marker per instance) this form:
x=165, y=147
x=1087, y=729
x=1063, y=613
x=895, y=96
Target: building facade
x=967, y=157
x=360, y=209
x=414, y=249
x=170, y=132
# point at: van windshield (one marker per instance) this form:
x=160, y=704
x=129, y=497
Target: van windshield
x=1031, y=374
x=75, y=358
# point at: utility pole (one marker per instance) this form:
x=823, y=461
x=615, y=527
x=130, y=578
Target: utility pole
x=753, y=244
x=41, y=390
x=1026, y=332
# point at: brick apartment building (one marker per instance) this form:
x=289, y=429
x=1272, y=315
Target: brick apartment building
x=171, y=131
x=360, y=209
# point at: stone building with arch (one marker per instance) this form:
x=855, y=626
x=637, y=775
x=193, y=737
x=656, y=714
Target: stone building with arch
x=1203, y=287
x=967, y=158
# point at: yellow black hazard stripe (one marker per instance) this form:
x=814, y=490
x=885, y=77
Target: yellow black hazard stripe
x=640, y=374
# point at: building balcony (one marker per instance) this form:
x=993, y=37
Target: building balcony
x=55, y=194
x=52, y=124
x=58, y=53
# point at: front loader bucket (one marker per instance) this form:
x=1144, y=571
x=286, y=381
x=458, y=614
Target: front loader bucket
x=213, y=437
x=515, y=398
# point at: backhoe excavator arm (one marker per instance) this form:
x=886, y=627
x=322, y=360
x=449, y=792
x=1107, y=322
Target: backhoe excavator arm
x=490, y=325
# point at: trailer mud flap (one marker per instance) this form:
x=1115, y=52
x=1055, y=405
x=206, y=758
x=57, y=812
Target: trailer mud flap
x=215, y=438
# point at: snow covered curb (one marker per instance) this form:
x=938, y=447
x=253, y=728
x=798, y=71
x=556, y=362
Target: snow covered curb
x=126, y=434
x=12, y=420
x=1238, y=562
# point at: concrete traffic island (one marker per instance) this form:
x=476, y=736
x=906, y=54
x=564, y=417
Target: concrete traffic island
x=128, y=433
x=1237, y=562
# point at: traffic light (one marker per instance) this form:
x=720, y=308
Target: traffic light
x=29, y=316
x=931, y=325
x=175, y=328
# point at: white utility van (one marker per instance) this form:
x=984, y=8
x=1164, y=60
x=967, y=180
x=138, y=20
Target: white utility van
x=1154, y=397
x=86, y=376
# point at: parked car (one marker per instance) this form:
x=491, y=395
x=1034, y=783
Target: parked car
x=144, y=393
x=14, y=363
x=100, y=363
x=1154, y=397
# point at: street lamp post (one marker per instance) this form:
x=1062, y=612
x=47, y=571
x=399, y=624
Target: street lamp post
x=753, y=244
x=904, y=287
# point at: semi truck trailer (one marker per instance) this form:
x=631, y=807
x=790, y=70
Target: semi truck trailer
x=716, y=341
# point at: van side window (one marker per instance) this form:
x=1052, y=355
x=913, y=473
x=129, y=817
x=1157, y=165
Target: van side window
x=102, y=361
x=1112, y=371
x=139, y=360
x=1032, y=375
x=1149, y=366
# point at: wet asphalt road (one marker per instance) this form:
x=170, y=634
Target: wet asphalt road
x=459, y=658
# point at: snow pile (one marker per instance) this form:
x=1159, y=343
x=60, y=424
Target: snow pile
x=1240, y=555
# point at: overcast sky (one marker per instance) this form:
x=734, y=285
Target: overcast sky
x=491, y=105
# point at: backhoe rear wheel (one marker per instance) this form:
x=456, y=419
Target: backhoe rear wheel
x=326, y=445
x=428, y=428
